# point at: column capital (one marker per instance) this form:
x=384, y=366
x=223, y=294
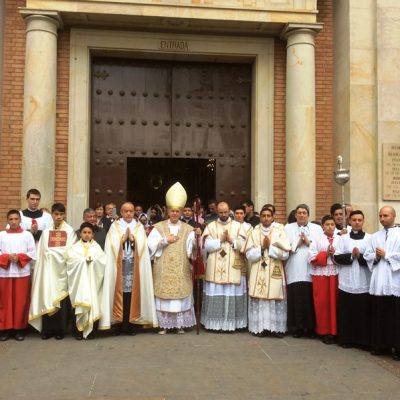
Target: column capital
x=49, y=21
x=291, y=28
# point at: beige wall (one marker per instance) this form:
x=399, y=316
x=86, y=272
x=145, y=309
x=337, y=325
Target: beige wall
x=388, y=82
x=367, y=96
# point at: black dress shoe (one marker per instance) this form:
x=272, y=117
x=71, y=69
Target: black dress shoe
x=279, y=335
x=396, y=355
x=131, y=333
x=19, y=336
x=79, y=337
x=116, y=331
x=46, y=335
x=310, y=334
x=375, y=351
x=5, y=335
x=328, y=339
x=59, y=335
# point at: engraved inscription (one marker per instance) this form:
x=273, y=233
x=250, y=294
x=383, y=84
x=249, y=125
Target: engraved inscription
x=174, y=45
x=391, y=171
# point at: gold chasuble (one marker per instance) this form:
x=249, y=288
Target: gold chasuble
x=172, y=274
x=142, y=310
x=49, y=284
x=240, y=258
x=222, y=267
x=267, y=279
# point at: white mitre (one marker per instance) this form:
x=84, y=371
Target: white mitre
x=176, y=196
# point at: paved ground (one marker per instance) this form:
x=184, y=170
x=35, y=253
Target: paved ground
x=208, y=366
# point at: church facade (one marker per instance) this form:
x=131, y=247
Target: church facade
x=110, y=100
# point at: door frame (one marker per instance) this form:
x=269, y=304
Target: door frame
x=258, y=51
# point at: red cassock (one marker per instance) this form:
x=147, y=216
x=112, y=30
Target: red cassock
x=325, y=291
x=14, y=290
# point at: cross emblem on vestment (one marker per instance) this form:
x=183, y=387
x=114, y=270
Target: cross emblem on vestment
x=57, y=238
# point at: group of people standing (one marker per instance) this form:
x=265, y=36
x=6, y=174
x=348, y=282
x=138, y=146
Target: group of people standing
x=305, y=278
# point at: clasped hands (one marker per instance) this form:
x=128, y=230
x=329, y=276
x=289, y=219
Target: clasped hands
x=171, y=238
x=13, y=257
x=266, y=243
x=225, y=237
x=303, y=239
x=355, y=253
x=380, y=253
x=128, y=236
x=330, y=250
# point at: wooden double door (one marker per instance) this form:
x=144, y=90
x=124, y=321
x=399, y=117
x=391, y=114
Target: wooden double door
x=157, y=122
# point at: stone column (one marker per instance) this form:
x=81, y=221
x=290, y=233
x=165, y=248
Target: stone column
x=39, y=120
x=300, y=115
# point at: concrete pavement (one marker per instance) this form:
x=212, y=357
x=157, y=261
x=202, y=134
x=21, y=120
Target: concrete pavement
x=176, y=367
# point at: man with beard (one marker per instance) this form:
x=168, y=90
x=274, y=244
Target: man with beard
x=224, y=292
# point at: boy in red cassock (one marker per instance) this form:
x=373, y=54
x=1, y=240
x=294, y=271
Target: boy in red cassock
x=17, y=251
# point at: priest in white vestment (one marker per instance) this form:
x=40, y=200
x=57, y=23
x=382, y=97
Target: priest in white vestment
x=86, y=263
x=128, y=295
x=49, y=304
x=300, y=302
x=239, y=213
x=171, y=244
x=383, y=258
x=266, y=249
x=224, y=305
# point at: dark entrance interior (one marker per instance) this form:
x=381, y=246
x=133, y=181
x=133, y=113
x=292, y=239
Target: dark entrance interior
x=150, y=178
x=170, y=119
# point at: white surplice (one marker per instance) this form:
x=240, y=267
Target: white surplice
x=385, y=279
x=297, y=267
x=16, y=243
x=353, y=278
x=43, y=222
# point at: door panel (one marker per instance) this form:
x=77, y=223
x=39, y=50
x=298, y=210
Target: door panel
x=211, y=117
x=158, y=109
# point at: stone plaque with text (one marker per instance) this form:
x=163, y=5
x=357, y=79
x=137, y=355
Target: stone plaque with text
x=391, y=171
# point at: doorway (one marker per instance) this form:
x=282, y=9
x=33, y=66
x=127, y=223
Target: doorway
x=150, y=178
x=144, y=111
